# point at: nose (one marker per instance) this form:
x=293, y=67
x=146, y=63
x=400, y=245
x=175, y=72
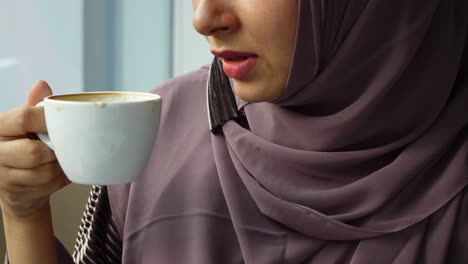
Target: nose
x=214, y=17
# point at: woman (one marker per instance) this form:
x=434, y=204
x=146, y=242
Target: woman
x=345, y=141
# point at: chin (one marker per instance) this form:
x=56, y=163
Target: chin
x=254, y=93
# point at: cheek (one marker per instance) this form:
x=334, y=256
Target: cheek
x=275, y=35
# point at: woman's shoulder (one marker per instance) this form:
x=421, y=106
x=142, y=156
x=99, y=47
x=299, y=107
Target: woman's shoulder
x=183, y=85
x=183, y=102
x=183, y=109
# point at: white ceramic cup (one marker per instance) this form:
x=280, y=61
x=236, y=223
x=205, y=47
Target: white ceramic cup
x=102, y=138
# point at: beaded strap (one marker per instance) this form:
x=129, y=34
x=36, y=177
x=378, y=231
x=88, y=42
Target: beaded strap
x=98, y=240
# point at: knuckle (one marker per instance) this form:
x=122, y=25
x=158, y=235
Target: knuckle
x=34, y=151
x=50, y=172
x=45, y=174
x=23, y=119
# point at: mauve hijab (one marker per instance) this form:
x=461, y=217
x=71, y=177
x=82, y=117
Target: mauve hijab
x=363, y=159
x=370, y=134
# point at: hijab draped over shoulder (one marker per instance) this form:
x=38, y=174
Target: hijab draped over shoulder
x=369, y=139
x=363, y=159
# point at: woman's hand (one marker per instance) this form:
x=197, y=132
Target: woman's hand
x=29, y=171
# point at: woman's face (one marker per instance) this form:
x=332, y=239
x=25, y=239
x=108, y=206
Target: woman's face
x=254, y=38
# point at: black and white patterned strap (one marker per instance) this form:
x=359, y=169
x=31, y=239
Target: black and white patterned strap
x=222, y=105
x=98, y=240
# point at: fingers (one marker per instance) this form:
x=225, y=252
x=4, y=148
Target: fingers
x=41, y=175
x=11, y=138
x=25, y=153
x=29, y=171
x=39, y=90
x=21, y=196
x=21, y=121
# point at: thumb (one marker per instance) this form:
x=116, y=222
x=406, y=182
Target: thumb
x=39, y=90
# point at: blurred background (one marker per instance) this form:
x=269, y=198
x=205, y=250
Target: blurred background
x=92, y=45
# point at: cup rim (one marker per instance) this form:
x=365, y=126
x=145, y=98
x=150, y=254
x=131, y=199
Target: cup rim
x=151, y=97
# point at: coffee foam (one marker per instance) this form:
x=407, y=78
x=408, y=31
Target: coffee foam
x=103, y=97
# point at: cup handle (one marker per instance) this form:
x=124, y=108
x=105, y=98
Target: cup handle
x=44, y=137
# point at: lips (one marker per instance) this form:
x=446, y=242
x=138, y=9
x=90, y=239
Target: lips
x=237, y=64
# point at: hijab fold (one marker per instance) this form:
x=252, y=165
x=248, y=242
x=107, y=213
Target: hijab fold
x=370, y=135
